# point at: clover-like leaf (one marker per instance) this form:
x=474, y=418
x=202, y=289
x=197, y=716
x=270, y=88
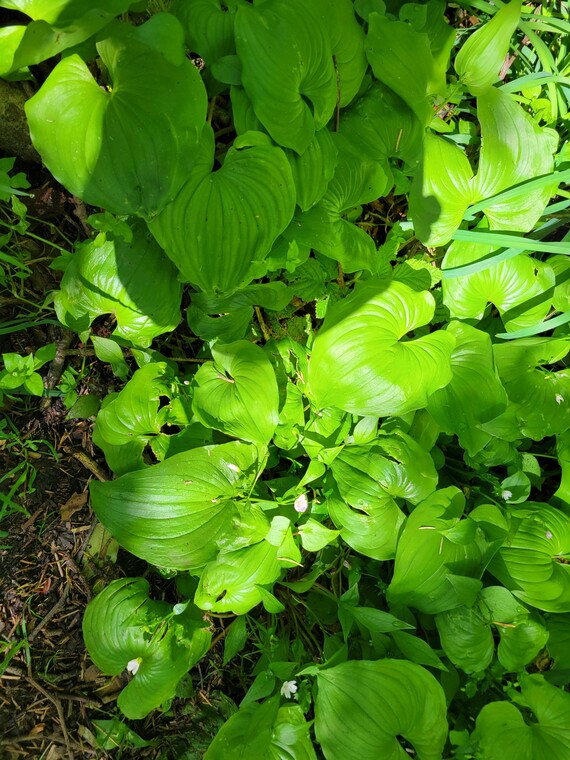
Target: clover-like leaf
x=180, y=513
x=381, y=701
x=237, y=393
x=133, y=281
x=360, y=362
x=128, y=148
x=123, y=628
x=221, y=223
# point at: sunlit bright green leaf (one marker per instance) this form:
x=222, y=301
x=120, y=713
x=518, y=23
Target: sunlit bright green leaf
x=359, y=362
x=123, y=628
x=128, y=147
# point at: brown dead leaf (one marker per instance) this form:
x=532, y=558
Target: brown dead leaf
x=75, y=502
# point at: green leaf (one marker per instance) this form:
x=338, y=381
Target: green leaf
x=55, y=26
x=359, y=362
x=315, y=536
x=180, y=513
x=109, y=352
x=122, y=625
x=380, y=702
x=231, y=582
x=292, y=52
x=34, y=384
x=114, y=734
x=417, y=650
x=381, y=125
x=540, y=395
x=474, y=395
x=314, y=168
x=133, y=281
x=441, y=191
x=513, y=149
x=480, y=59
x=131, y=147
x=521, y=288
x=224, y=222
x=432, y=572
x=401, y=58
x=357, y=180
x=236, y=639
x=466, y=638
x=502, y=731
x=265, y=731
x=237, y=393
x=532, y=561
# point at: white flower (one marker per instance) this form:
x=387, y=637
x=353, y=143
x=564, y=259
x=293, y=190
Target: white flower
x=506, y=495
x=559, y=398
x=548, y=534
x=134, y=665
x=301, y=503
x=288, y=689
x=233, y=467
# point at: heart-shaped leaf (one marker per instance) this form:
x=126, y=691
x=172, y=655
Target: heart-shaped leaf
x=133, y=281
x=180, y=513
x=237, y=393
x=123, y=628
x=221, y=223
x=359, y=362
x=382, y=701
x=128, y=148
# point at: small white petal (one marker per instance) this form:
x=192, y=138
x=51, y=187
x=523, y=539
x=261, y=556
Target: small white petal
x=288, y=689
x=134, y=665
x=548, y=534
x=506, y=495
x=559, y=398
x=233, y=467
x=301, y=503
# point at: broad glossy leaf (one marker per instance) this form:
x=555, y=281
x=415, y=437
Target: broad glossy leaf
x=392, y=464
x=466, y=638
x=315, y=536
x=541, y=396
x=435, y=572
x=441, y=191
x=209, y=29
x=314, y=168
x=513, y=149
x=370, y=527
x=133, y=281
x=237, y=393
x=359, y=362
x=521, y=288
x=122, y=625
x=293, y=51
x=230, y=583
x=286, y=58
x=561, y=267
x=502, y=731
x=480, y=59
x=380, y=701
x=226, y=318
x=357, y=180
x=381, y=125
x=222, y=223
x=128, y=148
x=532, y=563
x=401, y=58
x=180, y=513
x=55, y=26
x=562, y=494
x=264, y=731
x=474, y=395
